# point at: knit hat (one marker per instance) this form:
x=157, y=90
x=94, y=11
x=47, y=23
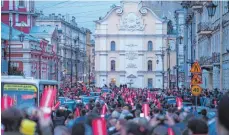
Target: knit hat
x=115, y=114
x=28, y=127
x=223, y=111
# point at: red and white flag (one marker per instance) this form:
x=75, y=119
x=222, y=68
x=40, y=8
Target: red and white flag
x=179, y=103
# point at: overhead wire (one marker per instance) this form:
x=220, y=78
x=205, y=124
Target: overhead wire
x=51, y=6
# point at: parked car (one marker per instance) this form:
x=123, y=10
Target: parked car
x=106, y=90
x=86, y=100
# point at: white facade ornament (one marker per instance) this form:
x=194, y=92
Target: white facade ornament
x=131, y=55
x=131, y=22
x=143, y=11
x=119, y=11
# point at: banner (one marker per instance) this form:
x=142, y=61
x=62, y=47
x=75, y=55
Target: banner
x=20, y=87
x=6, y=102
x=99, y=126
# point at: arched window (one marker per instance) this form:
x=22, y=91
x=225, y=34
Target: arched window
x=112, y=45
x=150, y=46
x=150, y=65
x=112, y=65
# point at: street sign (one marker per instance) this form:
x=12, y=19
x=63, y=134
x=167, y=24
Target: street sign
x=196, y=90
x=196, y=80
x=196, y=68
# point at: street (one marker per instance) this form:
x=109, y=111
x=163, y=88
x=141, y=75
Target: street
x=114, y=67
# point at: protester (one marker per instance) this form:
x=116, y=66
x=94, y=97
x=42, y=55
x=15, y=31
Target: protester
x=59, y=118
x=126, y=111
x=204, y=115
x=197, y=127
x=223, y=117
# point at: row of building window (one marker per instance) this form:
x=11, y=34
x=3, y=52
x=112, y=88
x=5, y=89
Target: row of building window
x=150, y=46
x=21, y=3
x=149, y=65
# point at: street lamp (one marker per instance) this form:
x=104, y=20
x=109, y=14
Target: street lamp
x=180, y=39
x=21, y=37
x=163, y=72
x=211, y=7
x=228, y=6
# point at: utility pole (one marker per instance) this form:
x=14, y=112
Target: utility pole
x=77, y=48
x=9, y=45
x=40, y=66
x=221, y=45
x=163, y=69
x=89, y=74
x=168, y=60
x=71, y=58
x=57, y=63
x=177, y=65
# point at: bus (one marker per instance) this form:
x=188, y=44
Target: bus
x=26, y=91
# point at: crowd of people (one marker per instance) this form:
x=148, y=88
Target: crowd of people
x=124, y=111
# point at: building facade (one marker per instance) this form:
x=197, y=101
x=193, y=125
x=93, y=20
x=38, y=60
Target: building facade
x=51, y=59
x=129, y=41
x=204, y=37
x=21, y=54
x=17, y=11
x=71, y=46
x=18, y=17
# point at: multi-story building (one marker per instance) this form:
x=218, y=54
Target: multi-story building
x=163, y=8
x=29, y=57
x=16, y=11
x=205, y=34
x=129, y=42
x=90, y=62
x=92, y=76
x=179, y=18
x=24, y=54
x=50, y=34
x=71, y=45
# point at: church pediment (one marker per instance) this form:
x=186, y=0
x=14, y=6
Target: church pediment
x=131, y=22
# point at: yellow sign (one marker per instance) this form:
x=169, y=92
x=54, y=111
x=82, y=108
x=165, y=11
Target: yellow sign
x=196, y=90
x=19, y=87
x=196, y=68
x=196, y=80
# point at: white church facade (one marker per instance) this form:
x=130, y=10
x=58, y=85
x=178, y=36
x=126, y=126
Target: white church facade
x=128, y=47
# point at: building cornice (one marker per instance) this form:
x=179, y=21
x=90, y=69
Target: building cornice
x=147, y=72
x=135, y=35
x=62, y=21
x=22, y=13
x=123, y=51
x=107, y=72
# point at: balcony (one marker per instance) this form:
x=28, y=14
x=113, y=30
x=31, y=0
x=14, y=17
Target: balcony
x=226, y=19
x=204, y=28
x=206, y=62
x=215, y=58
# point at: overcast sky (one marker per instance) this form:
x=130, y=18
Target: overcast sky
x=85, y=12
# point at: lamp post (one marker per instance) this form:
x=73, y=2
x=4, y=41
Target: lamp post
x=76, y=64
x=228, y=6
x=163, y=70
x=211, y=7
x=169, y=70
x=179, y=41
x=89, y=74
x=21, y=38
